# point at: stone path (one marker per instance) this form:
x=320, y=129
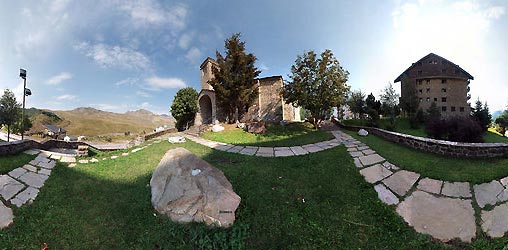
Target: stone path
x=439, y=208
x=268, y=151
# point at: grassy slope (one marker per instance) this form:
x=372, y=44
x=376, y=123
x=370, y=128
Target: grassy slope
x=90, y=122
x=435, y=166
x=275, y=136
x=10, y=162
x=404, y=127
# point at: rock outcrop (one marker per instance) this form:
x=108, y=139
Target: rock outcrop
x=186, y=188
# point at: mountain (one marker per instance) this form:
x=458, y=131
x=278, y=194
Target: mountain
x=496, y=114
x=92, y=122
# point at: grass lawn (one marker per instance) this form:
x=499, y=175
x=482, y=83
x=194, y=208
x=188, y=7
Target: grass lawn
x=107, y=206
x=276, y=135
x=436, y=166
x=10, y=162
x=403, y=126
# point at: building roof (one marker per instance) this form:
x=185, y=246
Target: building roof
x=54, y=129
x=208, y=59
x=399, y=78
x=268, y=78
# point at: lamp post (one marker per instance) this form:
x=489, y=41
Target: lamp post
x=26, y=92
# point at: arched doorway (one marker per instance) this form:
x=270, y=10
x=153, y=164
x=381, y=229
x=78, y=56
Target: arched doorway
x=205, y=109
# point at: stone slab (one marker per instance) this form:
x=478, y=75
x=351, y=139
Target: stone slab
x=72, y=165
x=486, y=193
x=386, y=195
x=30, y=167
x=430, y=185
x=248, y=151
x=45, y=172
x=83, y=161
x=33, y=179
x=368, y=152
x=223, y=147
x=17, y=172
x=48, y=165
x=504, y=181
x=352, y=149
x=371, y=159
x=31, y=152
x=114, y=156
x=68, y=159
x=390, y=166
x=441, y=217
x=312, y=148
x=361, y=148
x=6, y=216
x=94, y=160
x=235, y=149
x=283, y=153
x=9, y=186
x=503, y=196
x=28, y=195
x=357, y=162
x=281, y=148
x=55, y=157
x=355, y=154
x=125, y=154
x=400, y=182
x=375, y=173
x=495, y=222
x=456, y=189
x=298, y=150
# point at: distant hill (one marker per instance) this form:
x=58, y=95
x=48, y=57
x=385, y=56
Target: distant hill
x=496, y=114
x=92, y=122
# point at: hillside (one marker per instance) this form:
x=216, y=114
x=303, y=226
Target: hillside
x=93, y=122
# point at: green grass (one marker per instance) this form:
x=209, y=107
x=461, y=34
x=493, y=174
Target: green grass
x=10, y=162
x=435, y=166
x=276, y=136
x=402, y=126
x=107, y=206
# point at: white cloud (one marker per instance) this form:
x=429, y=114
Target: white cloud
x=146, y=105
x=114, y=56
x=185, y=40
x=67, y=97
x=128, y=81
x=58, y=5
x=157, y=83
x=194, y=55
x=142, y=94
x=57, y=79
x=149, y=12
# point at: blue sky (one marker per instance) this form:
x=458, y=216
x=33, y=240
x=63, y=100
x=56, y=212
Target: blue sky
x=121, y=55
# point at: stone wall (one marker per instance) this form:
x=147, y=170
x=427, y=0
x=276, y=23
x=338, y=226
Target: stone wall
x=157, y=134
x=446, y=148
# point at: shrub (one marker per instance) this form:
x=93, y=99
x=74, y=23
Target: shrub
x=373, y=119
x=458, y=129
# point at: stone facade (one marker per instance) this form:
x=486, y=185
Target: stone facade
x=269, y=105
x=438, y=80
x=446, y=148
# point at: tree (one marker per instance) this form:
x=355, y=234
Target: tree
x=389, y=100
x=502, y=123
x=9, y=110
x=357, y=104
x=316, y=84
x=233, y=82
x=482, y=114
x=184, y=107
x=409, y=101
x=433, y=112
x=27, y=125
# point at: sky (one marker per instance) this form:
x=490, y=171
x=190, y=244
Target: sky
x=121, y=55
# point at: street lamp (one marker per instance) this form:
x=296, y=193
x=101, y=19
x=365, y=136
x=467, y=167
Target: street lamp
x=26, y=92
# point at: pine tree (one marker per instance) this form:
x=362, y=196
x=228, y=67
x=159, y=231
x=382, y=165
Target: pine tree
x=233, y=81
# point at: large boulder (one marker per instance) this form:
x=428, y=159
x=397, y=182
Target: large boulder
x=257, y=128
x=186, y=188
x=363, y=132
x=217, y=128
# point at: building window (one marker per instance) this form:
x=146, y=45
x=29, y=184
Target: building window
x=461, y=109
x=443, y=81
x=435, y=99
x=419, y=72
x=428, y=90
x=428, y=99
x=453, y=109
x=420, y=91
x=443, y=108
x=420, y=82
x=443, y=90
x=420, y=99
x=443, y=99
x=428, y=81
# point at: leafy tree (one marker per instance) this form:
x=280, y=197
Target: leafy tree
x=184, y=107
x=389, y=100
x=482, y=115
x=409, y=101
x=9, y=110
x=317, y=84
x=433, y=111
x=502, y=123
x=233, y=81
x=357, y=104
x=27, y=125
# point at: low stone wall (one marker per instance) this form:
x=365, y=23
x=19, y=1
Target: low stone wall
x=9, y=148
x=157, y=134
x=446, y=148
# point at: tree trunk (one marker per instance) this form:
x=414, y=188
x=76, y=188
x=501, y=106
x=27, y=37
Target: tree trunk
x=8, y=133
x=236, y=115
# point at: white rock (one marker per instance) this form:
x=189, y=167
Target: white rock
x=217, y=128
x=176, y=139
x=363, y=132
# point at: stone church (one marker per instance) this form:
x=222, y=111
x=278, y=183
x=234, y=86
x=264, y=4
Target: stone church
x=269, y=106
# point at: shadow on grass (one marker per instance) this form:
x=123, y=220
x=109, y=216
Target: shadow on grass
x=315, y=201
